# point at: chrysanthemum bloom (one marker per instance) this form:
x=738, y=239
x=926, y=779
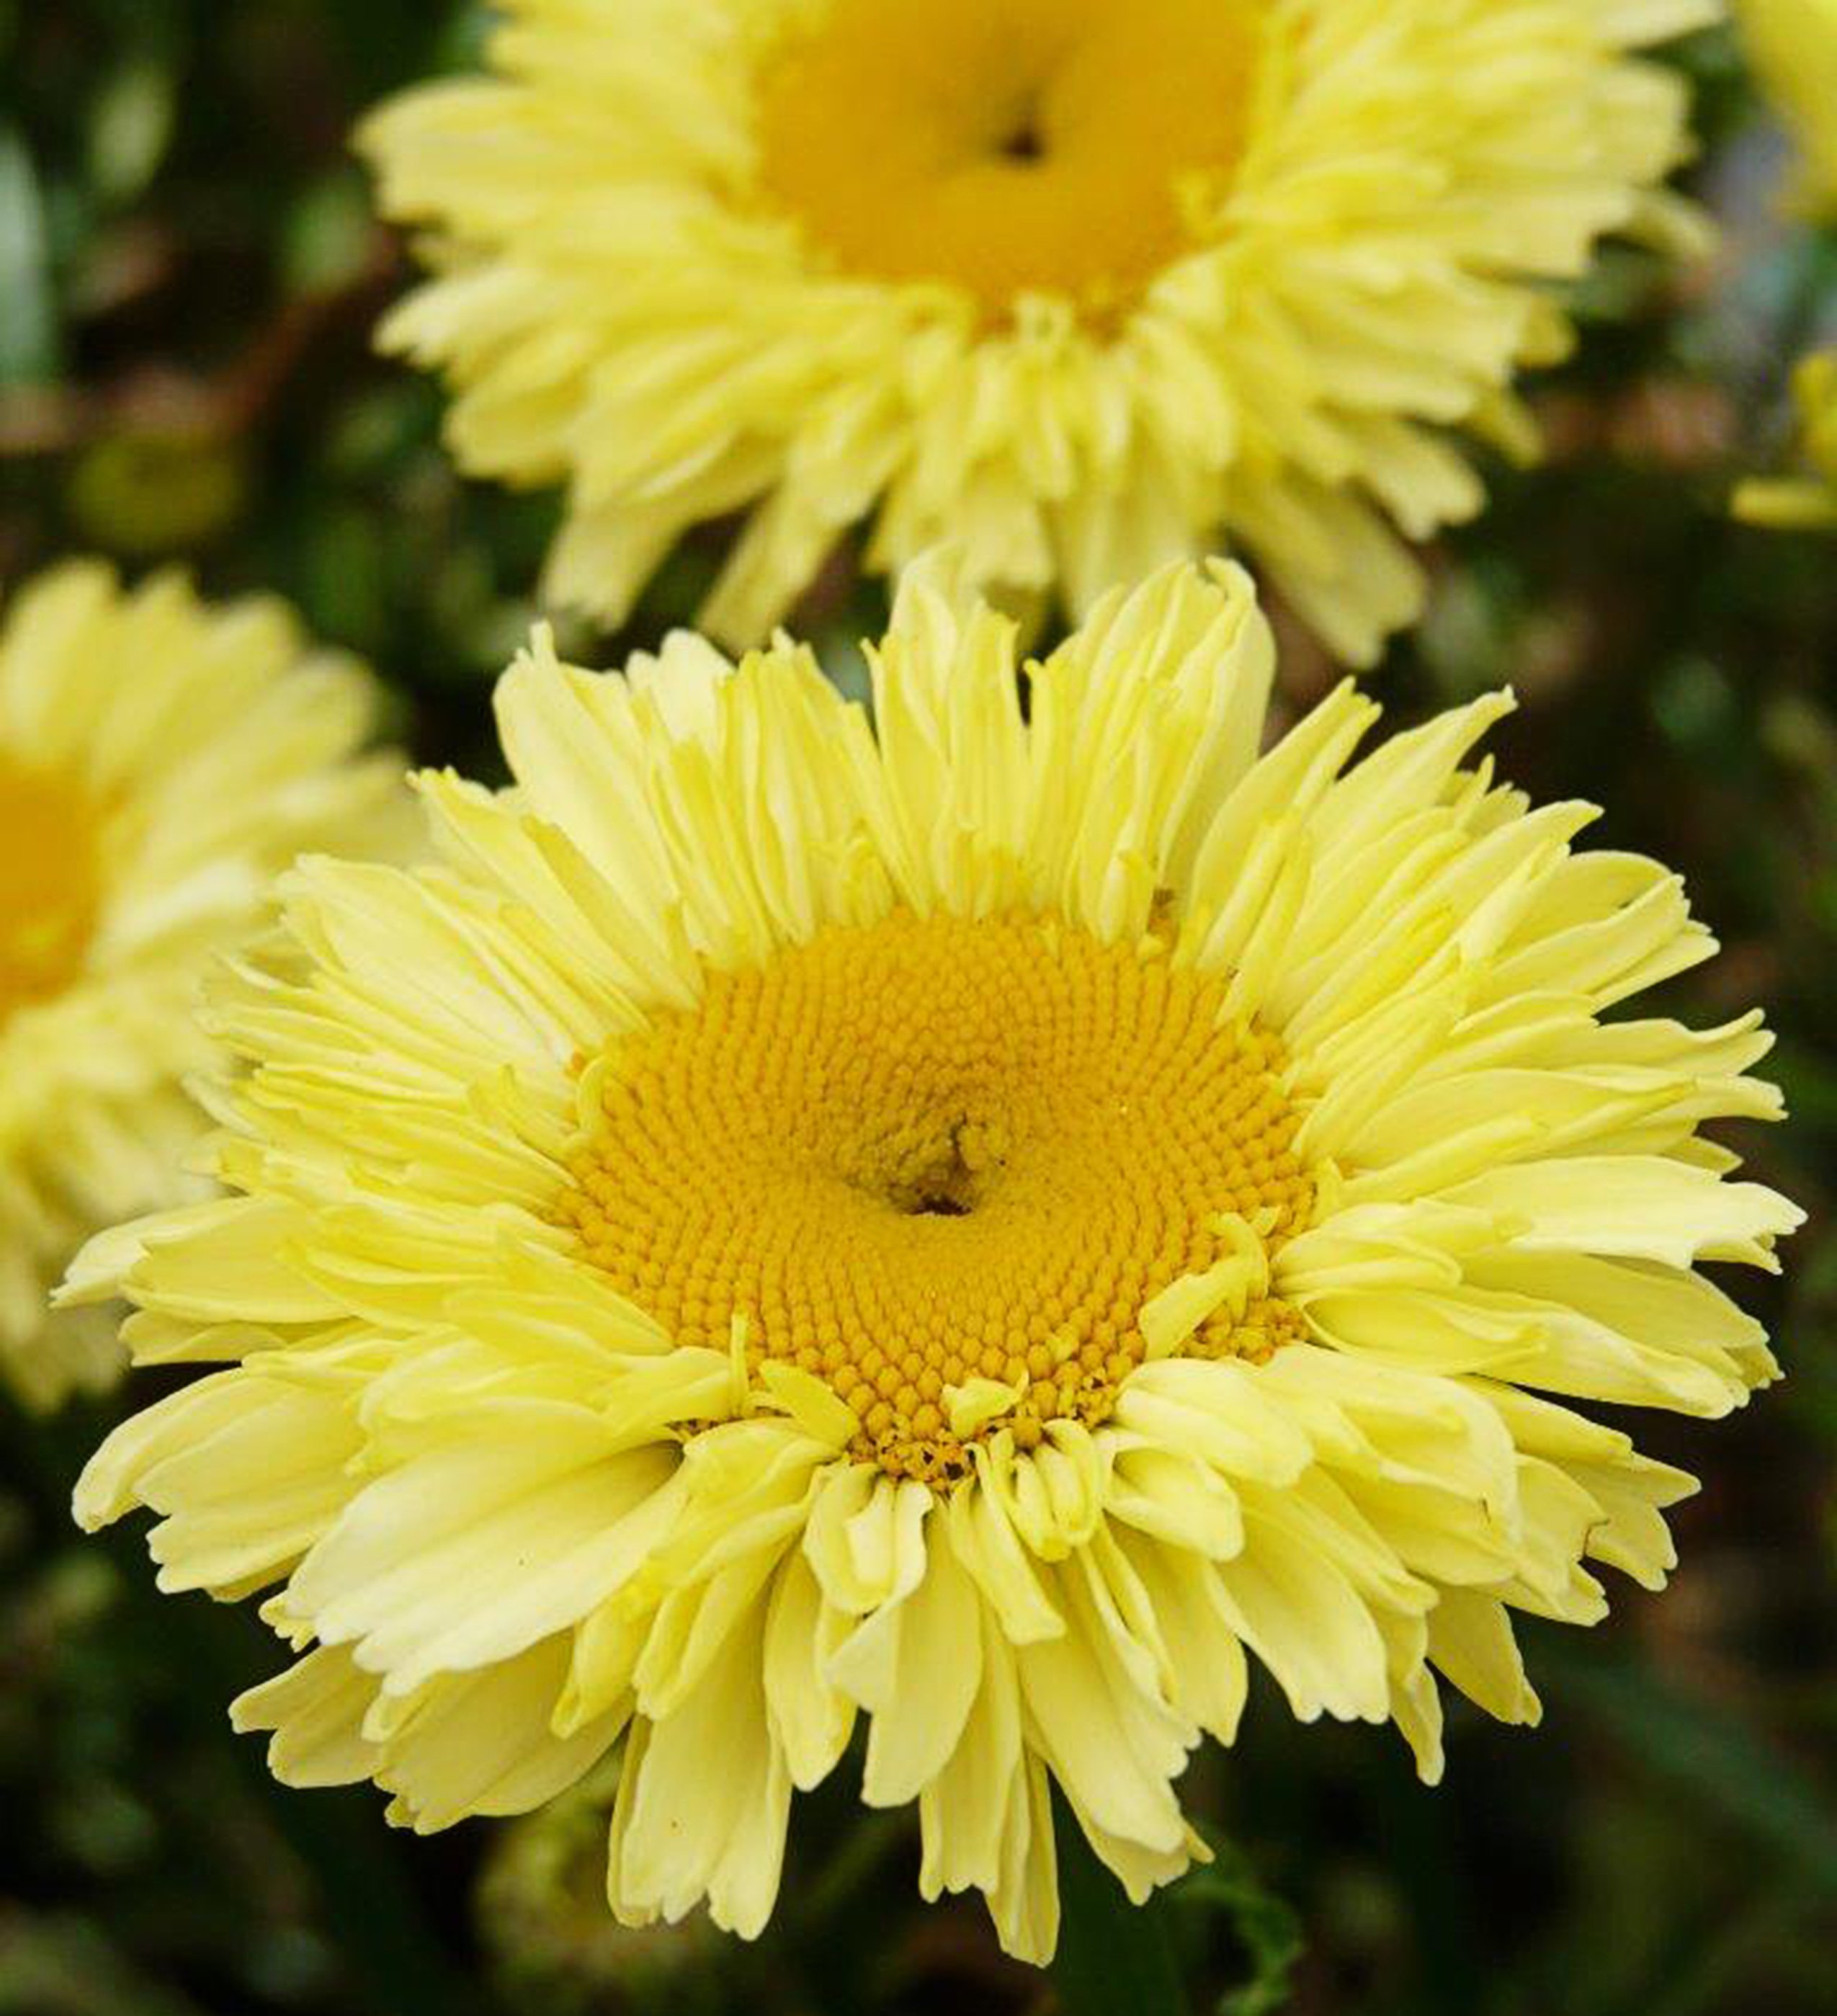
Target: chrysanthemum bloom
x=979, y=1224
x=1089, y=286
x=159, y=762
x=1808, y=503
x=1793, y=46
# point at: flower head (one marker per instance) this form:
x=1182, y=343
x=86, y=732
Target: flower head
x=159, y=762
x=1793, y=47
x=979, y=1224
x=1089, y=286
x=1808, y=503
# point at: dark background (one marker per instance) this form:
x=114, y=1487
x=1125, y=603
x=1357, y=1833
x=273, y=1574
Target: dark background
x=188, y=272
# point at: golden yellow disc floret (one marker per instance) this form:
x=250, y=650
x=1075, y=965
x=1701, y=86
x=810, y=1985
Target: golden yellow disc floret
x=1009, y=146
x=931, y=1151
x=49, y=886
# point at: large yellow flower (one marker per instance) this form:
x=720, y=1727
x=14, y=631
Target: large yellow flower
x=979, y=1223
x=159, y=764
x=1793, y=46
x=1090, y=286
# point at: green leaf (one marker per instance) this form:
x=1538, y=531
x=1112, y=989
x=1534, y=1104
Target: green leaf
x=1704, y=1751
x=326, y=235
x=1114, y=1958
x=28, y=314
x=1119, y=1959
x=1266, y=1925
x=131, y=128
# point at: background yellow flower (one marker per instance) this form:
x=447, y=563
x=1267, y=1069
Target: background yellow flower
x=160, y=762
x=1808, y=503
x=1793, y=43
x=1088, y=287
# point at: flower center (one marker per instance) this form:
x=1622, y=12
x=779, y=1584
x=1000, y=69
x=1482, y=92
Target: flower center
x=930, y=1151
x=1068, y=147
x=49, y=886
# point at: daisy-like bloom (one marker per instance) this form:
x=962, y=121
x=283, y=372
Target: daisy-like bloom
x=1808, y=502
x=159, y=763
x=981, y=1225
x=1089, y=286
x=1793, y=46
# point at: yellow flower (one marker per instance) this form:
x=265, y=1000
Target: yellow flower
x=1806, y=503
x=159, y=763
x=1088, y=286
x=981, y=1224
x=1793, y=46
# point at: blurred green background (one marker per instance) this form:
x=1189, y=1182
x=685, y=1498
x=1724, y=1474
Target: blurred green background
x=188, y=272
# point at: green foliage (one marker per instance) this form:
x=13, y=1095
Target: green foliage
x=1114, y=1958
x=1265, y=1926
x=1221, y=1922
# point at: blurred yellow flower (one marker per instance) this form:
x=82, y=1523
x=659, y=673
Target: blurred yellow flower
x=1793, y=45
x=1088, y=286
x=979, y=1222
x=1804, y=503
x=159, y=762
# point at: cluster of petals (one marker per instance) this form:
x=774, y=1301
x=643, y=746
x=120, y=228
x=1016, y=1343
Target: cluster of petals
x=621, y=307
x=507, y=1524
x=160, y=762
